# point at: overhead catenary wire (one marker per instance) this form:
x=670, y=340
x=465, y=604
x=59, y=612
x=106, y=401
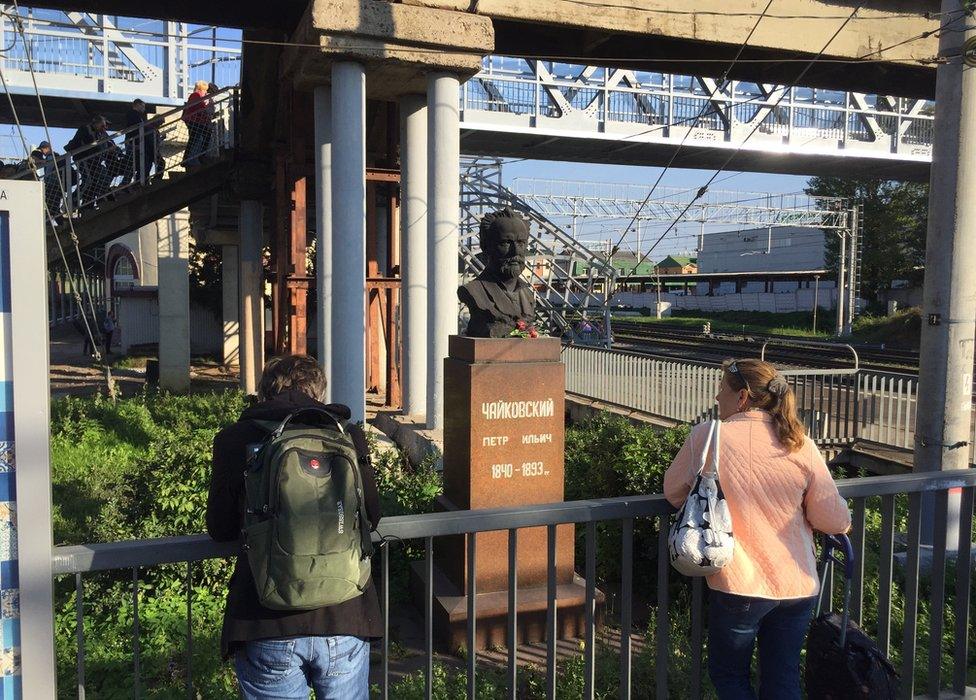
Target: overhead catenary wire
x=704, y=188
x=47, y=133
x=65, y=198
x=718, y=86
x=78, y=300
x=758, y=99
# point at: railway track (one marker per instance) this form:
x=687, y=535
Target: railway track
x=679, y=342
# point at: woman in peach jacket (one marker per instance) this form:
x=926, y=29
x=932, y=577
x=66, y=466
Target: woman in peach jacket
x=779, y=491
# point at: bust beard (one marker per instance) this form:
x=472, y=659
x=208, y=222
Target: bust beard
x=511, y=268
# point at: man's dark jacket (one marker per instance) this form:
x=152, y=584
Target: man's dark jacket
x=244, y=617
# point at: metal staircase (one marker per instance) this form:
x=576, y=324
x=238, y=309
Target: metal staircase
x=138, y=175
x=570, y=281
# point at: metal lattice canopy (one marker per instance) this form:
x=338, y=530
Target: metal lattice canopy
x=582, y=200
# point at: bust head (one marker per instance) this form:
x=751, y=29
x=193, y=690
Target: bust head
x=504, y=238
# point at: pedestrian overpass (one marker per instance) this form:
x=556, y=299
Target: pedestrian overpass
x=87, y=63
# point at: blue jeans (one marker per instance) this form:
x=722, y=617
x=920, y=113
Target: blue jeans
x=336, y=668
x=734, y=623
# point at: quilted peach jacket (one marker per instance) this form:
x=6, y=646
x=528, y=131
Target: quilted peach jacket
x=776, y=498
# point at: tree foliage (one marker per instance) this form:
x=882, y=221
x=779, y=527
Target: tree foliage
x=894, y=216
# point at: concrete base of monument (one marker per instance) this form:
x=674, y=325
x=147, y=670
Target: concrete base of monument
x=491, y=612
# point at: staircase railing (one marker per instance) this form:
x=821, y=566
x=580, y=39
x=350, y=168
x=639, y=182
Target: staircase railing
x=565, y=275
x=165, y=145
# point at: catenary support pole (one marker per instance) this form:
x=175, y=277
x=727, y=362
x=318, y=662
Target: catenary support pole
x=413, y=240
x=349, y=237
x=323, y=230
x=944, y=427
x=252, y=288
x=442, y=225
x=841, y=280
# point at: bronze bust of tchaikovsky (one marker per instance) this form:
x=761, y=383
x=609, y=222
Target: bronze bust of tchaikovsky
x=498, y=298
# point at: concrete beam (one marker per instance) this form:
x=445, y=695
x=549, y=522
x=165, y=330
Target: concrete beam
x=397, y=44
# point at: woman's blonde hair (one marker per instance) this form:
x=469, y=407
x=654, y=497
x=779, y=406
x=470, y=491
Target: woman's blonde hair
x=201, y=85
x=770, y=392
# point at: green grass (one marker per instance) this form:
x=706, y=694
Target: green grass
x=898, y=331
x=798, y=324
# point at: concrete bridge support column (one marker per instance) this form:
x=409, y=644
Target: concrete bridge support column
x=229, y=274
x=322, y=106
x=442, y=226
x=944, y=430
x=413, y=240
x=349, y=237
x=251, y=284
x=173, y=241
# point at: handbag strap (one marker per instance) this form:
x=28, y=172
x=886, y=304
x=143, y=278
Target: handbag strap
x=713, y=435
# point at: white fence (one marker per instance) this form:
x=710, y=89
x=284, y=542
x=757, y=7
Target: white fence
x=138, y=324
x=836, y=406
x=776, y=302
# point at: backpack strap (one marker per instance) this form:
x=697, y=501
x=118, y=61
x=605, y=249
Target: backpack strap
x=358, y=437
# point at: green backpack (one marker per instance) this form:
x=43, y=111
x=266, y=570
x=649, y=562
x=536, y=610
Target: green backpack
x=306, y=533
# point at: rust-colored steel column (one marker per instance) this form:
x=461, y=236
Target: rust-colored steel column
x=298, y=279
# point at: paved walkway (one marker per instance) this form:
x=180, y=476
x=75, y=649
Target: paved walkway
x=74, y=373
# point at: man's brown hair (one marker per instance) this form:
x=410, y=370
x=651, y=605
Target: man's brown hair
x=299, y=372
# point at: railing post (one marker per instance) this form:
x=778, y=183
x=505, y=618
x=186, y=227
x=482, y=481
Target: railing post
x=69, y=198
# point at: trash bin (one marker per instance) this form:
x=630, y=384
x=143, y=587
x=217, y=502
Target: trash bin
x=152, y=373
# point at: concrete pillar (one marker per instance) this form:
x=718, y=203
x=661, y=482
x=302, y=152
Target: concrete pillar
x=443, y=189
x=173, y=244
x=251, y=284
x=230, y=299
x=322, y=107
x=943, y=432
x=349, y=237
x=413, y=256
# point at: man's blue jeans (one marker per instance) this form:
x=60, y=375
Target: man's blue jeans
x=734, y=623
x=336, y=668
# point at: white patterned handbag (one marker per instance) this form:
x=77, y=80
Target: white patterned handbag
x=700, y=541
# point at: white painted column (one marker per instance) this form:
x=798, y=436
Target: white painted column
x=413, y=253
x=444, y=152
x=251, y=299
x=230, y=300
x=349, y=237
x=322, y=105
x=173, y=244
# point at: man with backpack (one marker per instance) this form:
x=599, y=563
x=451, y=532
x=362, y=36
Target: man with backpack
x=292, y=480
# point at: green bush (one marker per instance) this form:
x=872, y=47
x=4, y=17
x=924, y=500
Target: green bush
x=607, y=457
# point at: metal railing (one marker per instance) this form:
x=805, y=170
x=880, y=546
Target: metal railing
x=125, y=160
x=837, y=406
x=684, y=391
x=644, y=106
x=63, y=305
x=896, y=499
x=108, y=57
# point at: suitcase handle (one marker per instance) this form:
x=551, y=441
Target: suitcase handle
x=833, y=544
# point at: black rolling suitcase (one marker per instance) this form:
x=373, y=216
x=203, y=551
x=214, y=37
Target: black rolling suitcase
x=843, y=663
